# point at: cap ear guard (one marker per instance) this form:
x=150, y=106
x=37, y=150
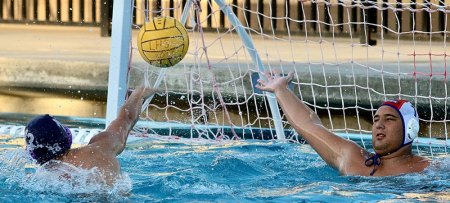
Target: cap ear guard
x=69, y=135
x=412, y=130
x=411, y=120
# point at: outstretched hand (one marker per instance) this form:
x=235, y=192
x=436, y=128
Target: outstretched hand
x=274, y=81
x=143, y=92
x=147, y=92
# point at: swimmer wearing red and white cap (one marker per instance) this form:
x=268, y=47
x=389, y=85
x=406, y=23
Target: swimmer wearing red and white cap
x=395, y=127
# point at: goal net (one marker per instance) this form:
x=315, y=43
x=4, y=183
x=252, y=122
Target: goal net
x=347, y=56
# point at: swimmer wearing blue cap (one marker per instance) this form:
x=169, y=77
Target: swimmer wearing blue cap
x=47, y=139
x=395, y=126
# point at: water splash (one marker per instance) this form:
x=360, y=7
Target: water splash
x=59, y=179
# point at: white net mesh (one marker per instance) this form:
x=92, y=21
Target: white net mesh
x=348, y=57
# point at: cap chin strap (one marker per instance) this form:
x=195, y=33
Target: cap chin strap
x=375, y=159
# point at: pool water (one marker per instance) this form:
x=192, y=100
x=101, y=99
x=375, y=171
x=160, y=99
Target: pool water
x=159, y=169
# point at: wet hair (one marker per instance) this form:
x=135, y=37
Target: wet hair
x=46, y=138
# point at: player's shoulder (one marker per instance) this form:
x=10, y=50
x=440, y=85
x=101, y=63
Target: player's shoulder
x=421, y=161
x=100, y=138
x=88, y=155
x=351, y=148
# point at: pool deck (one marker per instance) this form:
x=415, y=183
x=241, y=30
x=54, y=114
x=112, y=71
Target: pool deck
x=63, y=60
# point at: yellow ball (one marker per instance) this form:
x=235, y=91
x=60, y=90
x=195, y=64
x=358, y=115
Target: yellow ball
x=163, y=42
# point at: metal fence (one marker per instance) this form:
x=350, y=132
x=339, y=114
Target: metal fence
x=337, y=17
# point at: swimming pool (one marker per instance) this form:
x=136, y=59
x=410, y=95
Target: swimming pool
x=163, y=169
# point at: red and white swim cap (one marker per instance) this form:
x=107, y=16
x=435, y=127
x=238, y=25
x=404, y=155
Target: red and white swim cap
x=409, y=117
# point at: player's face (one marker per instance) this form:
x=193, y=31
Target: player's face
x=387, y=130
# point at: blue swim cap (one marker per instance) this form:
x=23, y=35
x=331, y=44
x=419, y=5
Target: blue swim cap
x=46, y=138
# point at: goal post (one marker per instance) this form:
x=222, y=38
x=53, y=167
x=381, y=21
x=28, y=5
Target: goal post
x=119, y=59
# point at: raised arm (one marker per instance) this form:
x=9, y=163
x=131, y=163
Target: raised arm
x=114, y=138
x=332, y=148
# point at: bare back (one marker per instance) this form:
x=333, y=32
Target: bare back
x=92, y=156
x=103, y=148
